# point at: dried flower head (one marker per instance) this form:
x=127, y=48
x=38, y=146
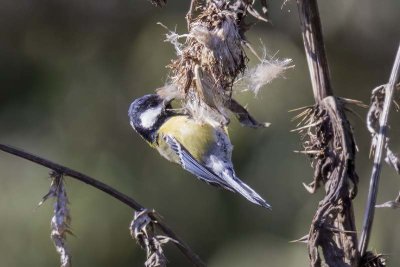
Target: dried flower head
x=60, y=222
x=212, y=58
x=142, y=229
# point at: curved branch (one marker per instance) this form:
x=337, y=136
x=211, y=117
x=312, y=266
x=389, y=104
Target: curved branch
x=182, y=246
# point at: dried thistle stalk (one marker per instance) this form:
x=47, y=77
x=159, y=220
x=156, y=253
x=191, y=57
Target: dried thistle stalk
x=373, y=117
x=379, y=111
x=60, y=222
x=142, y=229
x=328, y=141
x=391, y=158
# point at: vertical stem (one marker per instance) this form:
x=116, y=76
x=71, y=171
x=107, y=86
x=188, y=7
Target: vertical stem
x=315, y=49
x=335, y=210
x=374, y=182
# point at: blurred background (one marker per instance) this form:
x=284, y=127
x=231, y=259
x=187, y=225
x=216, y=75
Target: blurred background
x=68, y=72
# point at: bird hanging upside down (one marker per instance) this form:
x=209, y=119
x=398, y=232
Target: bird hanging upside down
x=199, y=148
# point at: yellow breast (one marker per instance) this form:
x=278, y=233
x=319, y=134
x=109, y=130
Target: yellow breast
x=196, y=138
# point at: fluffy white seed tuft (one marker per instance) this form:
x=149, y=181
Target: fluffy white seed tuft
x=265, y=72
x=173, y=38
x=169, y=91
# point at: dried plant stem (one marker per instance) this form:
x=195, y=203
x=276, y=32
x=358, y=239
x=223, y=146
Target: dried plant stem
x=333, y=230
x=182, y=246
x=315, y=48
x=379, y=149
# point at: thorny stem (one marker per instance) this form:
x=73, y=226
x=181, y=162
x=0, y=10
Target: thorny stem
x=335, y=210
x=182, y=246
x=374, y=182
x=315, y=48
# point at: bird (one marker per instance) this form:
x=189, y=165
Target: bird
x=199, y=148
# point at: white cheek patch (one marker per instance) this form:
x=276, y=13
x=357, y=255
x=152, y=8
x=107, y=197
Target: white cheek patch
x=149, y=117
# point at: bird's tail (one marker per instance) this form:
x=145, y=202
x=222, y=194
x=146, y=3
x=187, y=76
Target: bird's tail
x=246, y=191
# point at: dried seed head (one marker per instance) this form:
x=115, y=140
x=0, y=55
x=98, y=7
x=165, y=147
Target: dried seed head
x=60, y=222
x=214, y=45
x=142, y=229
x=211, y=59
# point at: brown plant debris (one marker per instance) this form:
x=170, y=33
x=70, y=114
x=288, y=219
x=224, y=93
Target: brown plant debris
x=328, y=141
x=374, y=114
x=142, y=229
x=212, y=59
x=60, y=222
x=371, y=259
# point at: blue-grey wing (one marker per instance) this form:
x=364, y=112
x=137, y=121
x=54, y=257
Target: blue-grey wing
x=190, y=164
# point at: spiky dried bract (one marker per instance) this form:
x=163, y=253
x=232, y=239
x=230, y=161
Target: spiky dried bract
x=328, y=141
x=394, y=204
x=392, y=159
x=371, y=259
x=210, y=60
x=60, y=222
x=142, y=229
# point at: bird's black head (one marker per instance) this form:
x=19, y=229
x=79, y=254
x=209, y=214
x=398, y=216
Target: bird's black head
x=147, y=114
